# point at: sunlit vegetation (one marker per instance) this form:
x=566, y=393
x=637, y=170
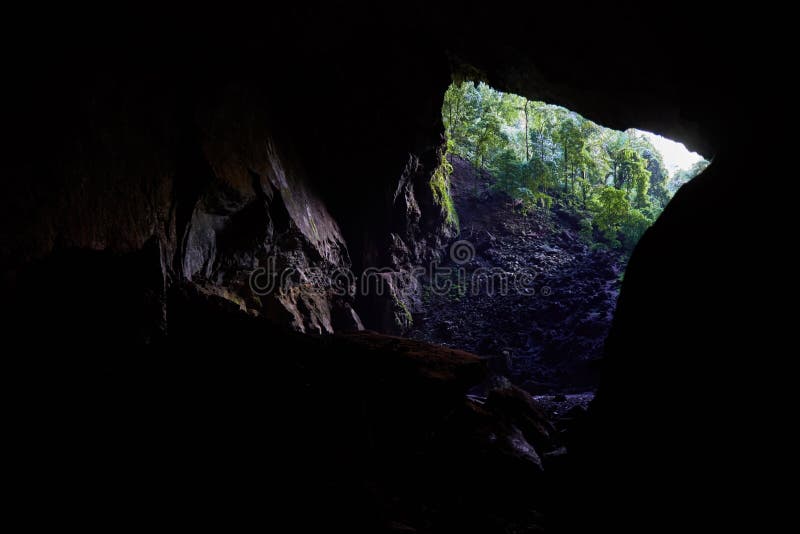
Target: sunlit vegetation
x=545, y=156
x=440, y=187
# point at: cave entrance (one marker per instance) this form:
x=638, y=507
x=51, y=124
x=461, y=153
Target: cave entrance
x=547, y=207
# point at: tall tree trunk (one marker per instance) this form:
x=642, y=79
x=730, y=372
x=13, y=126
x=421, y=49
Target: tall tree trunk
x=572, y=181
x=541, y=144
x=527, y=138
x=541, y=158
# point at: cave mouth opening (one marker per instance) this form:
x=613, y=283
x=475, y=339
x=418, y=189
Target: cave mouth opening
x=546, y=207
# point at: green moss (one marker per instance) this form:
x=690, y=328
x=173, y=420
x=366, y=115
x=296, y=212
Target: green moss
x=440, y=187
x=406, y=314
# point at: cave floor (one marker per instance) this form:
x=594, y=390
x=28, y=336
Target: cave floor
x=547, y=338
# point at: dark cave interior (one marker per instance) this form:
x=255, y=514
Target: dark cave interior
x=151, y=162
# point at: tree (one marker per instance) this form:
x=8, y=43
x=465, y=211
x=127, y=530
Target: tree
x=542, y=154
x=527, y=134
x=633, y=226
x=612, y=208
x=684, y=175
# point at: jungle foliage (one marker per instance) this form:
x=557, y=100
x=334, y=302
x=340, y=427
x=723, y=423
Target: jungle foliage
x=545, y=156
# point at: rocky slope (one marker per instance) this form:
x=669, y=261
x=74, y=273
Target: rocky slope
x=230, y=420
x=547, y=336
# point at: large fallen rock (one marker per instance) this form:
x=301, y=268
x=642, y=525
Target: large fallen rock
x=227, y=418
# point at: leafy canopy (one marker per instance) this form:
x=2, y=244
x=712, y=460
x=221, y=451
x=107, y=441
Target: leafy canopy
x=545, y=155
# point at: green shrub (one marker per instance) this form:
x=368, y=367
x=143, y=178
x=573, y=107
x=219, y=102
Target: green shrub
x=586, y=230
x=633, y=227
x=533, y=199
x=611, y=209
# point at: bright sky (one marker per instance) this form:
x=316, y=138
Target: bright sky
x=676, y=156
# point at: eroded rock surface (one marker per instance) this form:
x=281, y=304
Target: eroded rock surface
x=551, y=325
